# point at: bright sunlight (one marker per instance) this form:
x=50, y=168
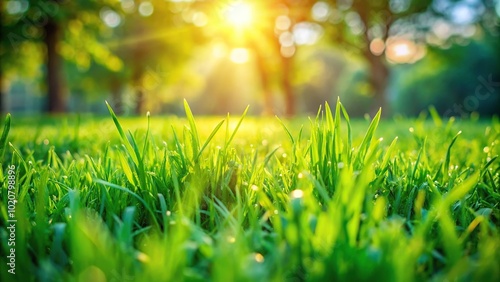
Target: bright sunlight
x=239, y=14
x=239, y=55
x=400, y=50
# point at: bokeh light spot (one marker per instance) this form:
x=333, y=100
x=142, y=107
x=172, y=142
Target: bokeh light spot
x=259, y=258
x=297, y=194
x=320, y=11
x=283, y=22
x=146, y=9
x=16, y=7
x=200, y=19
x=377, y=46
x=110, y=17
x=239, y=55
x=401, y=50
x=128, y=6
x=307, y=33
x=286, y=39
x=287, y=51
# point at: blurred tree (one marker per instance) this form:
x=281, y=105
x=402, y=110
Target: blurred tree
x=155, y=41
x=264, y=28
x=457, y=81
x=365, y=27
x=13, y=51
x=284, y=25
x=63, y=30
x=398, y=29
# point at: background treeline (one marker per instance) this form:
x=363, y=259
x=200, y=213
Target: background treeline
x=280, y=56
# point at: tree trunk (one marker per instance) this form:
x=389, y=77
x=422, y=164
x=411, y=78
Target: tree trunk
x=265, y=75
x=56, y=102
x=379, y=72
x=116, y=97
x=266, y=86
x=287, y=86
x=379, y=80
x=139, y=102
x=139, y=54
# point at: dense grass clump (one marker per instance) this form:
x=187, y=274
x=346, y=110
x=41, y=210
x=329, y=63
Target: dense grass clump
x=252, y=199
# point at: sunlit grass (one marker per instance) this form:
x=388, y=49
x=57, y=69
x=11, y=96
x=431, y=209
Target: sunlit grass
x=246, y=198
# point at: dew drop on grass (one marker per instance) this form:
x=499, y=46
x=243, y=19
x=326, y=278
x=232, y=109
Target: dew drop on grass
x=411, y=129
x=142, y=257
x=46, y=142
x=231, y=239
x=297, y=194
x=255, y=187
x=486, y=149
x=300, y=176
x=259, y=258
x=276, y=212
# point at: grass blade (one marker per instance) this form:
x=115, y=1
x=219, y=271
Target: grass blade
x=286, y=130
x=5, y=134
x=216, y=129
x=194, y=130
x=228, y=141
x=365, y=144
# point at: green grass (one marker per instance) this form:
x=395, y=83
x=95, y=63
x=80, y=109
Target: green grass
x=252, y=199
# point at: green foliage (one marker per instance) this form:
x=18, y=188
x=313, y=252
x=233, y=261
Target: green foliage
x=265, y=200
x=457, y=81
x=5, y=133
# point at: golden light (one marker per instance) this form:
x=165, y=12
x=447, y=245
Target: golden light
x=239, y=55
x=287, y=51
x=297, y=194
x=377, y=46
x=283, y=22
x=259, y=258
x=239, y=14
x=400, y=50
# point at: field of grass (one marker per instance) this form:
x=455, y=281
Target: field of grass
x=250, y=199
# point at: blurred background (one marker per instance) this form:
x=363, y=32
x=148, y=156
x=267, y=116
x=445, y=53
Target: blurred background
x=281, y=57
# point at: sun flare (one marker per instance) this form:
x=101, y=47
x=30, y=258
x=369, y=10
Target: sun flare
x=239, y=14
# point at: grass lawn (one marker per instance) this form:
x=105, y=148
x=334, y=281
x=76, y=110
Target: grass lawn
x=249, y=199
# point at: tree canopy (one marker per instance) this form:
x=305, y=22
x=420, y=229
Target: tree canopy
x=147, y=53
